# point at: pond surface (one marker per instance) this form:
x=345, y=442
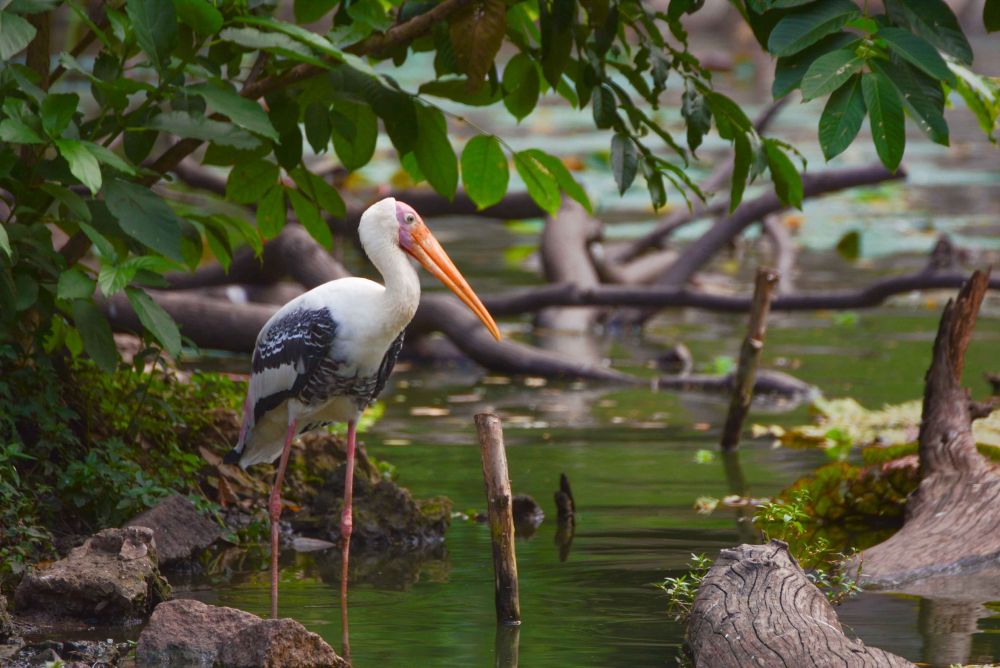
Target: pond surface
x=630, y=453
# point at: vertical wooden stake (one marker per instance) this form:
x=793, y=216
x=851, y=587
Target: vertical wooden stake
x=498, y=501
x=746, y=373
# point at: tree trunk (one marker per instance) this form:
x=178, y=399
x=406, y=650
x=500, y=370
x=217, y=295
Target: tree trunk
x=756, y=607
x=952, y=521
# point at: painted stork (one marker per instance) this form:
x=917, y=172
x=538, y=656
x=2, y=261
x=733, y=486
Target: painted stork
x=325, y=356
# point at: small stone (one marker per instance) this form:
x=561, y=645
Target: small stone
x=181, y=531
x=278, y=643
x=305, y=544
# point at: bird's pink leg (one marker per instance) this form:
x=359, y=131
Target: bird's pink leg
x=346, y=523
x=274, y=508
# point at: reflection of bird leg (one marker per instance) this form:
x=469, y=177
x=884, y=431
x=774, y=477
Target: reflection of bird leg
x=565, y=517
x=346, y=524
x=274, y=508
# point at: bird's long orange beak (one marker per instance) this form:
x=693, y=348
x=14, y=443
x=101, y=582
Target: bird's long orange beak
x=429, y=253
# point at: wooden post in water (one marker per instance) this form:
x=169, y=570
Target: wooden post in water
x=746, y=373
x=498, y=499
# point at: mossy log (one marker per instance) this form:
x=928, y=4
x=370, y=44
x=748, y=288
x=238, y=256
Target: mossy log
x=756, y=607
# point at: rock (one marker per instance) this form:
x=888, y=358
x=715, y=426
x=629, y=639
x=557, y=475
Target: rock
x=278, y=643
x=190, y=633
x=304, y=544
x=111, y=579
x=180, y=530
x=6, y=625
x=385, y=515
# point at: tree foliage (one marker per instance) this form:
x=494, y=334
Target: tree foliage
x=150, y=81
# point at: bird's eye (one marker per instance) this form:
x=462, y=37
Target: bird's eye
x=410, y=219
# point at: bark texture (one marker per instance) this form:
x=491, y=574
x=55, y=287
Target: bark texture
x=952, y=522
x=756, y=607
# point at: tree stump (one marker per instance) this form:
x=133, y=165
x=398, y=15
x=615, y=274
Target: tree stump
x=756, y=607
x=952, y=523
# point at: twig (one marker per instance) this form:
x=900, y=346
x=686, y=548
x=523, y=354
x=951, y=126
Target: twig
x=749, y=359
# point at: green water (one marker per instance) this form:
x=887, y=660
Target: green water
x=630, y=456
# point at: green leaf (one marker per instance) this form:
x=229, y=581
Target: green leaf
x=991, y=15
x=82, y=163
x=604, y=106
x=317, y=42
x=484, y=170
x=283, y=45
x=918, y=52
x=787, y=181
x=15, y=34
x=110, y=158
x=95, y=331
x=74, y=284
x=16, y=132
x=272, y=212
x=842, y=117
x=319, y=191
x=829, y=72
x=354, y=129
x=243, y=112
x=795, y=32
x=196, y=126
x=849, y=246
x=624, y=161
x=935, y=22
x=57, y=111
x=25, y=291
x=981, y=96
x=317, y=122
x=155, y=26
x=73, y=202
x=433, y=151
x=921, y=95
x=743, y=155
x=697, y=116
x=308, y=215
x=457, y=89
x=541, y=185
x=155, y=320
x=730, y=119
x=557, y=169
x=885, y=114
x=521, y=85
x=556, y=19
x=476, y=33
x=247, y=180
x=5, y=242
x=145, y=217
x=199, y=15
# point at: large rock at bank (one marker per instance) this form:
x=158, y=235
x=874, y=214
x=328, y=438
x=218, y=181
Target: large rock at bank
x=277, y=643
x=112, y=578
x=191, y=633
x=181, y=532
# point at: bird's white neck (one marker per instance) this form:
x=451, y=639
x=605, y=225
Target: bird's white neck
x=402, y=284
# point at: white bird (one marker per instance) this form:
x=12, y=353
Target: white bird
x=325, y=356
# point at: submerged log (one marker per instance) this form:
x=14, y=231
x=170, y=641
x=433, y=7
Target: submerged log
x=952, y=523
x=756, y=607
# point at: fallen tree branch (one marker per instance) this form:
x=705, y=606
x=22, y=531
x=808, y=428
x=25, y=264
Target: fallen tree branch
x=700, y=252
x=756, y=607
x=533, y=299
x=784, y=252
x=565, y=259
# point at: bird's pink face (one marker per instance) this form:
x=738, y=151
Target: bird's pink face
x=416, y=239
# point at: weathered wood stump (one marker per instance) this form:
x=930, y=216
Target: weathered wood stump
x=952, y=523
x=756, y=607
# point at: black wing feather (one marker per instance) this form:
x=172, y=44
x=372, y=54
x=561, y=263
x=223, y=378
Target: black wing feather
x=384, y=369
x=301, y=339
